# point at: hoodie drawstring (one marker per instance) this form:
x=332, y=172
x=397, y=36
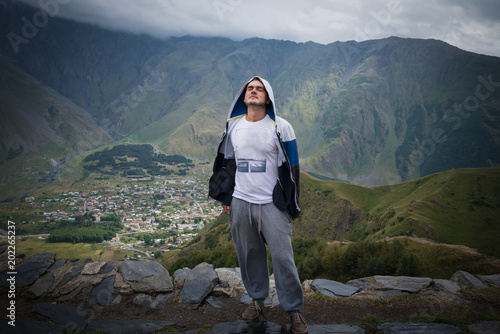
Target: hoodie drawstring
x=259, y=222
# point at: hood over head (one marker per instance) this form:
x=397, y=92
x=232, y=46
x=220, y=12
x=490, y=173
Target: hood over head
x=238, y=107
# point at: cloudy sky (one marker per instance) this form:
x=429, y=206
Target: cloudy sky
x=472, y=25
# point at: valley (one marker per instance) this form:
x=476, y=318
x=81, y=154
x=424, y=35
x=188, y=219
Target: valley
x=150, y=215
x=375, y=112
x=113, y=132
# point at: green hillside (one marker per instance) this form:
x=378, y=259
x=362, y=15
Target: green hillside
x=348, y=230
x=459, y=207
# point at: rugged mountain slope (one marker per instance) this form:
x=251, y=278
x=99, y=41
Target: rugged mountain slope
x=373, y=113
x=39, y=127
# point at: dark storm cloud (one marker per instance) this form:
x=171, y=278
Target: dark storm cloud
x=469, y=25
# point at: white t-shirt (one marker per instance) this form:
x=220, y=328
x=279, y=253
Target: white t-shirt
x=256, y=158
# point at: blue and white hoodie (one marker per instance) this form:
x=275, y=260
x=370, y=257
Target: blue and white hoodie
x=286, y=193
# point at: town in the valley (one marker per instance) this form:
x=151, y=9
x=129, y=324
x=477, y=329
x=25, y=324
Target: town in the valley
x=157, y=213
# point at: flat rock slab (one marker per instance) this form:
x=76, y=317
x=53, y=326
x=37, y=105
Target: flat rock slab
x=243, y=326
x=134, y=326
x=403, y=283
x=67, y=315
x=58, y=264
x=448, y=285
x=491, y=279
x=147, y=277
x=102, y=293
x=406, y=328
x=34, y=267
x=109, y=267
x=485, y=327
x=92, y=268
x=73, y=271
x=333, y=289
x=42, y=284
x=467, y=281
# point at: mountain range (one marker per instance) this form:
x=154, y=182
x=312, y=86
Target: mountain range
x=370, y=113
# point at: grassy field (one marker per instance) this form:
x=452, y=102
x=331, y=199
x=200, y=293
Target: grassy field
x=97, y=252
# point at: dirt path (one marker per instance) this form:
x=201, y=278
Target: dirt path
x=465, y=249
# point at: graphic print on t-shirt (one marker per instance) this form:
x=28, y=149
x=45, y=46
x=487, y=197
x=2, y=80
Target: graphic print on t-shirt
x=251, y=166
x=252, y=146
x=256, y=157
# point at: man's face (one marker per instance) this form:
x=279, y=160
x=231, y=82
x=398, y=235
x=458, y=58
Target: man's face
x=256, y=94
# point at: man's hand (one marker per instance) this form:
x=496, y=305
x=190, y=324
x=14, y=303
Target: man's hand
x=226, y=208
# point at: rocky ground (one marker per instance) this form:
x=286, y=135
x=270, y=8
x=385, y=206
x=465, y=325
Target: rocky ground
x=479, y=305
x=319, y=310
x=142, y=297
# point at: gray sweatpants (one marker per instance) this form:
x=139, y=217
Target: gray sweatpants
x=275, y=231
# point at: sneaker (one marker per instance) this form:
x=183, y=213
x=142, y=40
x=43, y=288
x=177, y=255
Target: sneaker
x=299, y=325
x=252, y=311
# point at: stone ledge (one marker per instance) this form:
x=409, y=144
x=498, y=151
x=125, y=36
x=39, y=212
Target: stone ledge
x=99, y=284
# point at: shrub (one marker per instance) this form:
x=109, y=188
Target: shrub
x=408, y=266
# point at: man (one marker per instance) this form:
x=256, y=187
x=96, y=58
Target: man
x=256, y=177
